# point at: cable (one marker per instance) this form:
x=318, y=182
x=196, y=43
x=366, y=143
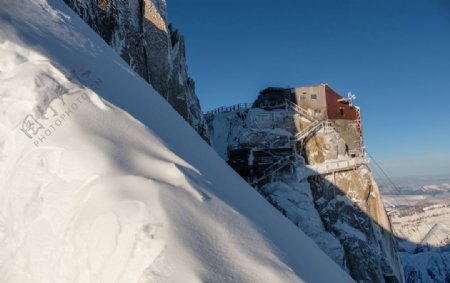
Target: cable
x=399, y=194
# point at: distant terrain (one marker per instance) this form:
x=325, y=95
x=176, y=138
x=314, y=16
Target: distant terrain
x=419, y=209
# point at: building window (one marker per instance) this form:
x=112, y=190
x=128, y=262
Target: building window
x=303, y=98
x=317, y=111
x=314, y=96
x=341, y=111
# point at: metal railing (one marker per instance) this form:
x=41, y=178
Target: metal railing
x=337, y=165
x=225, y=109
x=299, y=110
x=311, y=129
x=275, y=167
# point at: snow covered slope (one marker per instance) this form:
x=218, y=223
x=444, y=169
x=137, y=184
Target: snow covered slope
x=139, y=32
x=90, y=192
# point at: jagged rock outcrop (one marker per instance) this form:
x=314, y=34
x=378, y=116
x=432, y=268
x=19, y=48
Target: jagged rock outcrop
x=292, y=195
x=138, y=31
x=343, y=214
x=346, y=206
x=350, y=207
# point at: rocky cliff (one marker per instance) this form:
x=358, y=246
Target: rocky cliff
x=138, y=31
x=342, y=212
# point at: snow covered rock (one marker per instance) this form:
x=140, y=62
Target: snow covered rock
x=344, y=215
x=350, y=207
x=90, y=192
x=138, y=31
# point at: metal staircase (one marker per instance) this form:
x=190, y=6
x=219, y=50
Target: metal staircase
x=312, y=128
x=328, y=167
x=309, y=131
x=302, y=112
x=275, y=167
x=359, y=128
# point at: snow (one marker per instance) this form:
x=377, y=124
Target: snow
x=247, y=126
x=426, y=267
x=420, y=220
x=349, y=230
x=296, y=200
x=111, y=184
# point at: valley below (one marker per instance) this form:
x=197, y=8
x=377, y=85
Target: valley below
x=420, y=214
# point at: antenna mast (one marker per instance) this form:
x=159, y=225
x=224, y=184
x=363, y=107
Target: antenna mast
x=350, y=98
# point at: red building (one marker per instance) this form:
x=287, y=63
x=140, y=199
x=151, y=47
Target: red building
x=324, y=103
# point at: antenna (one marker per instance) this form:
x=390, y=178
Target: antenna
x=350, y=98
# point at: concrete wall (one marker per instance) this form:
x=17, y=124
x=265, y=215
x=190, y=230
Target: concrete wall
x=316, y=107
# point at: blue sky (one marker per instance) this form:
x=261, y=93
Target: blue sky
x=394, y=55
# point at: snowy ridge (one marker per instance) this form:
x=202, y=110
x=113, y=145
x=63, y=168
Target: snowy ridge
x=90, y=194
x=138, y=31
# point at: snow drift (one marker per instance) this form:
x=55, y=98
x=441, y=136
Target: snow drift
x=90, y=192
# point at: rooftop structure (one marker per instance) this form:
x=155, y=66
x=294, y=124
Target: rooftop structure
x=321, y=103
x=274, y=132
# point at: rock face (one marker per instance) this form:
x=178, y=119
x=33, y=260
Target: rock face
x=350, y=207
x=138, y=31
x=326, y=145
x=343, y=213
